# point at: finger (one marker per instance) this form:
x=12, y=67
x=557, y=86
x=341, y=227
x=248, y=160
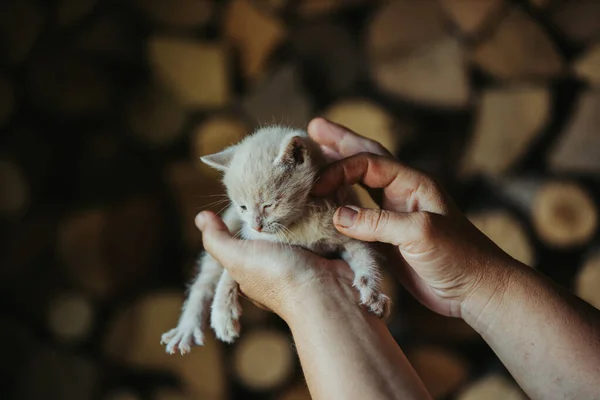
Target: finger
x=342, y=140
x=399, y=229
x=219, y=242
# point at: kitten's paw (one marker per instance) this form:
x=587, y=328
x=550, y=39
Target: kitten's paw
x=182, y=338
x=381, y=306
x=225, y=322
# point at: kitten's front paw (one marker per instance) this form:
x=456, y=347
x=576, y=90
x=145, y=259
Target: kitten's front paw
x=225, y=322
x=377, y=303
x=182, y=338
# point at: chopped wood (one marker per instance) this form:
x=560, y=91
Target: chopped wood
x=66, y=84
x=279, y=99
x=263, y=359
x=109, y=36
x=70, y=12
x=564, y=214
x=401, y=26
x=272, y=6
x=6, y=99
x=507, y=232
x=71, y=317
x=542, y=3
x=328, y=55
x=435, y=74
x=587, y=280
x=132, y=339
x=176, y=13
x=369, y=119
x=14, y=196
x=578, y=19
x=588, y=65
x=316, y=8
x=518, y=50
x=194, y=193
x=441, y=370
x=123, y=394
x=156, y=117
x=492, y=387
x=21, y=23
x=254, y=34
x=507, y=123
x=214, y=135
x=577, y=149
x=471, y=16
x=197, y=72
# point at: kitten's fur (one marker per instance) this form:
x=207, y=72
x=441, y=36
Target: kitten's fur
x=271, y=173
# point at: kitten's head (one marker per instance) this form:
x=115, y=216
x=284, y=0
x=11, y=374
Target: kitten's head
x=269, y=175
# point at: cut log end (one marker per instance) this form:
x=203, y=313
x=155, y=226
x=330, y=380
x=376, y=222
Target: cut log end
x=587, y=281
x=71, y=317
x=14, y=196
x=507, y=232
x=442, y=371
x=564, y=214
x=263, y=359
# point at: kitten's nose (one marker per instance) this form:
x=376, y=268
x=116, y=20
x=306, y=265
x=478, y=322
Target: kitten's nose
x=257, y=228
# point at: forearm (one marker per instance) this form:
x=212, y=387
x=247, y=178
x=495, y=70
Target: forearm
x=347, y=353
x=547, y=338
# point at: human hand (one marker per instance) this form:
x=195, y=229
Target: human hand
x=439, y=256
x=274, y=275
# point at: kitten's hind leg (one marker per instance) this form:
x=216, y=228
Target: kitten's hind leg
x=190, y=327
x=226, y=309
x=367, y=277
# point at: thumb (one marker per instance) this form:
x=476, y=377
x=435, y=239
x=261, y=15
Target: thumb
x=218, y=241
x=376, y=225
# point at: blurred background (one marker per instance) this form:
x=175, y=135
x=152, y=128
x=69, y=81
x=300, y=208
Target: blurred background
x=106, y=106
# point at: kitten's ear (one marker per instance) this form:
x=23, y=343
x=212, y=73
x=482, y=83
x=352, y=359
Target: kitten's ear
x=293, y=151
x=220, y=160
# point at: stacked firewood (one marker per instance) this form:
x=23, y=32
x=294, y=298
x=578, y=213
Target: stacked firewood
x=106, y=107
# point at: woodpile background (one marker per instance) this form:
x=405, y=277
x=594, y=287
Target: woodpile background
x=106, y=105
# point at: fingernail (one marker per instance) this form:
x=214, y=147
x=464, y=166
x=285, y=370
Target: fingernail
x=346, y=216
x=200, y=221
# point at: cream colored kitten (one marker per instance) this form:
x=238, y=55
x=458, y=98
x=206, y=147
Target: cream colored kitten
x=268, y=177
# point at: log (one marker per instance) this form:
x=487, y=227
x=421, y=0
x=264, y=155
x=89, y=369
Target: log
x=472, y=16
x=541, y=3
x=434, y=74
x=441, y=371
x=279, y=99
x=578, y=20
x=319, y=8
x=587, y=66
x=587, y=280
x=328, y=55
x=370, y=120
x=156, y=117
x=194, y=193
x=6, y=99
x=132, y=338
x=492, y=387
x=507, y=123
x=297, y=392
x=15, y=193
x=169, y=394
x=263, y=359
x=21, y=23
x=214, y=135
x=69, y=12
x=67, y=85
x=254, y=34
x=123, y=394
x=507, y=232
x=71, y=317
x=272, y=6
x=563, y=214
x=183, y=14
x=576, y=151
x=518, y=50
x=196, y=72
x=110, y=36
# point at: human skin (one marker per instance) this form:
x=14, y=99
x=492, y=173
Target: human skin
x=547, y=338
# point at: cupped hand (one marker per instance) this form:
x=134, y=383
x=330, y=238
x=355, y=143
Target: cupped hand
x=274, y=275
x=438, y=255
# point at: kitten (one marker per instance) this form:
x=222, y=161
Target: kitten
x=268, y=177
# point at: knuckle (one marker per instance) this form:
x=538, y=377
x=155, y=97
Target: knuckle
x=376, y=220
x=427, y=224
